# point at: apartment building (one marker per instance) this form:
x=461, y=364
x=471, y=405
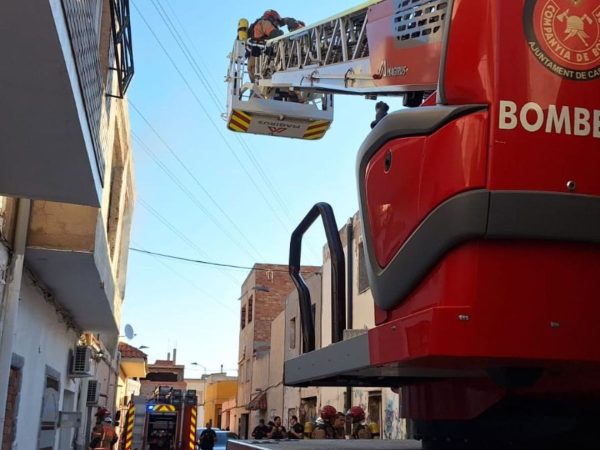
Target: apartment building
x=66, y=203
x=261, y=301
x=263, y=377
x=220, y=388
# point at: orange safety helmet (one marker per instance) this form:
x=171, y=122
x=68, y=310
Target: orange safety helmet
x=357, y=413
x=328, y=412
x=272, y=16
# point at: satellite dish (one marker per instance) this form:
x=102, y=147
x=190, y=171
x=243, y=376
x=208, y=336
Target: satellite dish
x=129, y=334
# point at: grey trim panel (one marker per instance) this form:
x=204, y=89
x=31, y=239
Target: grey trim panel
x=540, y=215
x=347, y=363
x=345, y=356
x=460, y=218
x=320, y=444
x=420, y=121
x=403, y=123
x=487, y=215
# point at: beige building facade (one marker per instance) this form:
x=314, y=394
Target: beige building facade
x=269, y=396
x=66, y=203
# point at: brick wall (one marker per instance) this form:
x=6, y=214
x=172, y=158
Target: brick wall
x=10, y=421
x=268, y=305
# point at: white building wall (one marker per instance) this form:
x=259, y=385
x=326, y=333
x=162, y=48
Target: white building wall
x=42, y=340
x=200, y=386
x=275, y=393
x=392, y=425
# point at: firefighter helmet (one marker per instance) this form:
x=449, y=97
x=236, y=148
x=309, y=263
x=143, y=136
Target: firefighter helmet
x=272, y=16
x=357, y=413
x=102, y=413
x=308, y=428
x=328, y=412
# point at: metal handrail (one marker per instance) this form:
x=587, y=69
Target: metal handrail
x=338, y=275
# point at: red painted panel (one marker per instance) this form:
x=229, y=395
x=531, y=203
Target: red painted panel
x=424, y=172
x=400, y=62
x=530, y=150
x=526, y=303
x=469, y=69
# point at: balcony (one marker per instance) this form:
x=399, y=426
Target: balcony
x=53, y=110
x=81, y=260
x=67, y=250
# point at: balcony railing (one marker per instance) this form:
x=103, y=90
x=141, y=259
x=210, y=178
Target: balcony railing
x=81, y=17
x=123, y=50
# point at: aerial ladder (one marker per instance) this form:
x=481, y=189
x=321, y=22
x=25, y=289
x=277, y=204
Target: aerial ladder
x=479, y=208
x=298, y=73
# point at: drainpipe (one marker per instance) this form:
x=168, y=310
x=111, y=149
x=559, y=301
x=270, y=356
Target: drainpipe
x=10, y=302
x=349, y=301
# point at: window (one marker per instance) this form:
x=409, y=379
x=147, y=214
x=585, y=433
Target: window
x=363, y=279
x=292, y=332
x=374, y=407
x=243, y=324
x=12, y=407
x=49, y=422
x=248, y=370
x=250, y=309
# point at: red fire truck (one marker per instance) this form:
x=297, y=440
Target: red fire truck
x=166, y=421
x=480, y=209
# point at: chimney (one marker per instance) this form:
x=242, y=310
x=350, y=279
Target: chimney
x=174, y=356
x=168, y=356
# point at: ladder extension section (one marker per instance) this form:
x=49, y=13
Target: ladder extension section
x=382, y=47
x=294, y=60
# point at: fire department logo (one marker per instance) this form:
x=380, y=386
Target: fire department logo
x=277, y=130
x=564, y=35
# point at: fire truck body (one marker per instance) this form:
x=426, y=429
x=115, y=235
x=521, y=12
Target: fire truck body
x=168, y=420
x=481, y=222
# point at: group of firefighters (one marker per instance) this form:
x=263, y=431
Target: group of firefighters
x=332, y=425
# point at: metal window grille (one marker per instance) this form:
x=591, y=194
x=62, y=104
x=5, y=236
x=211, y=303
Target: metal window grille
x=93, y=392
x=122, y=43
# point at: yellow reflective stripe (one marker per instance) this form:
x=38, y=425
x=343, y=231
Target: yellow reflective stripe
x=234, y=127
x=243, y=114
x=164, y=408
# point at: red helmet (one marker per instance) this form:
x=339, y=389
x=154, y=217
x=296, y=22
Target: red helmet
x=272, y=16
x=357, y=413
x=102, y=412
x=328, y=412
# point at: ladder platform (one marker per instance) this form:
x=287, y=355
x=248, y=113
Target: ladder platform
x=279, y=118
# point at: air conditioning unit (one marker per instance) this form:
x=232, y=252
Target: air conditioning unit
x=80, y=362
x=93, y=393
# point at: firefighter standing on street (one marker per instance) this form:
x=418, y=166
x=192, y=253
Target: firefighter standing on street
x=359, y=429
x=324, y=428
x=104, y=435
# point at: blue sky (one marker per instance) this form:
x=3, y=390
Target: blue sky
x=262, y=189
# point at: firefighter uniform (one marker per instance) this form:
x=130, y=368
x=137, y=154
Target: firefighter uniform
x=104, y=436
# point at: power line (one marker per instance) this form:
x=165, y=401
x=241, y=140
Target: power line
x=209, y=117
x=179, y=234
x=203, y=79
x=207, y=263
x=208, y=295
x=194, y=199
